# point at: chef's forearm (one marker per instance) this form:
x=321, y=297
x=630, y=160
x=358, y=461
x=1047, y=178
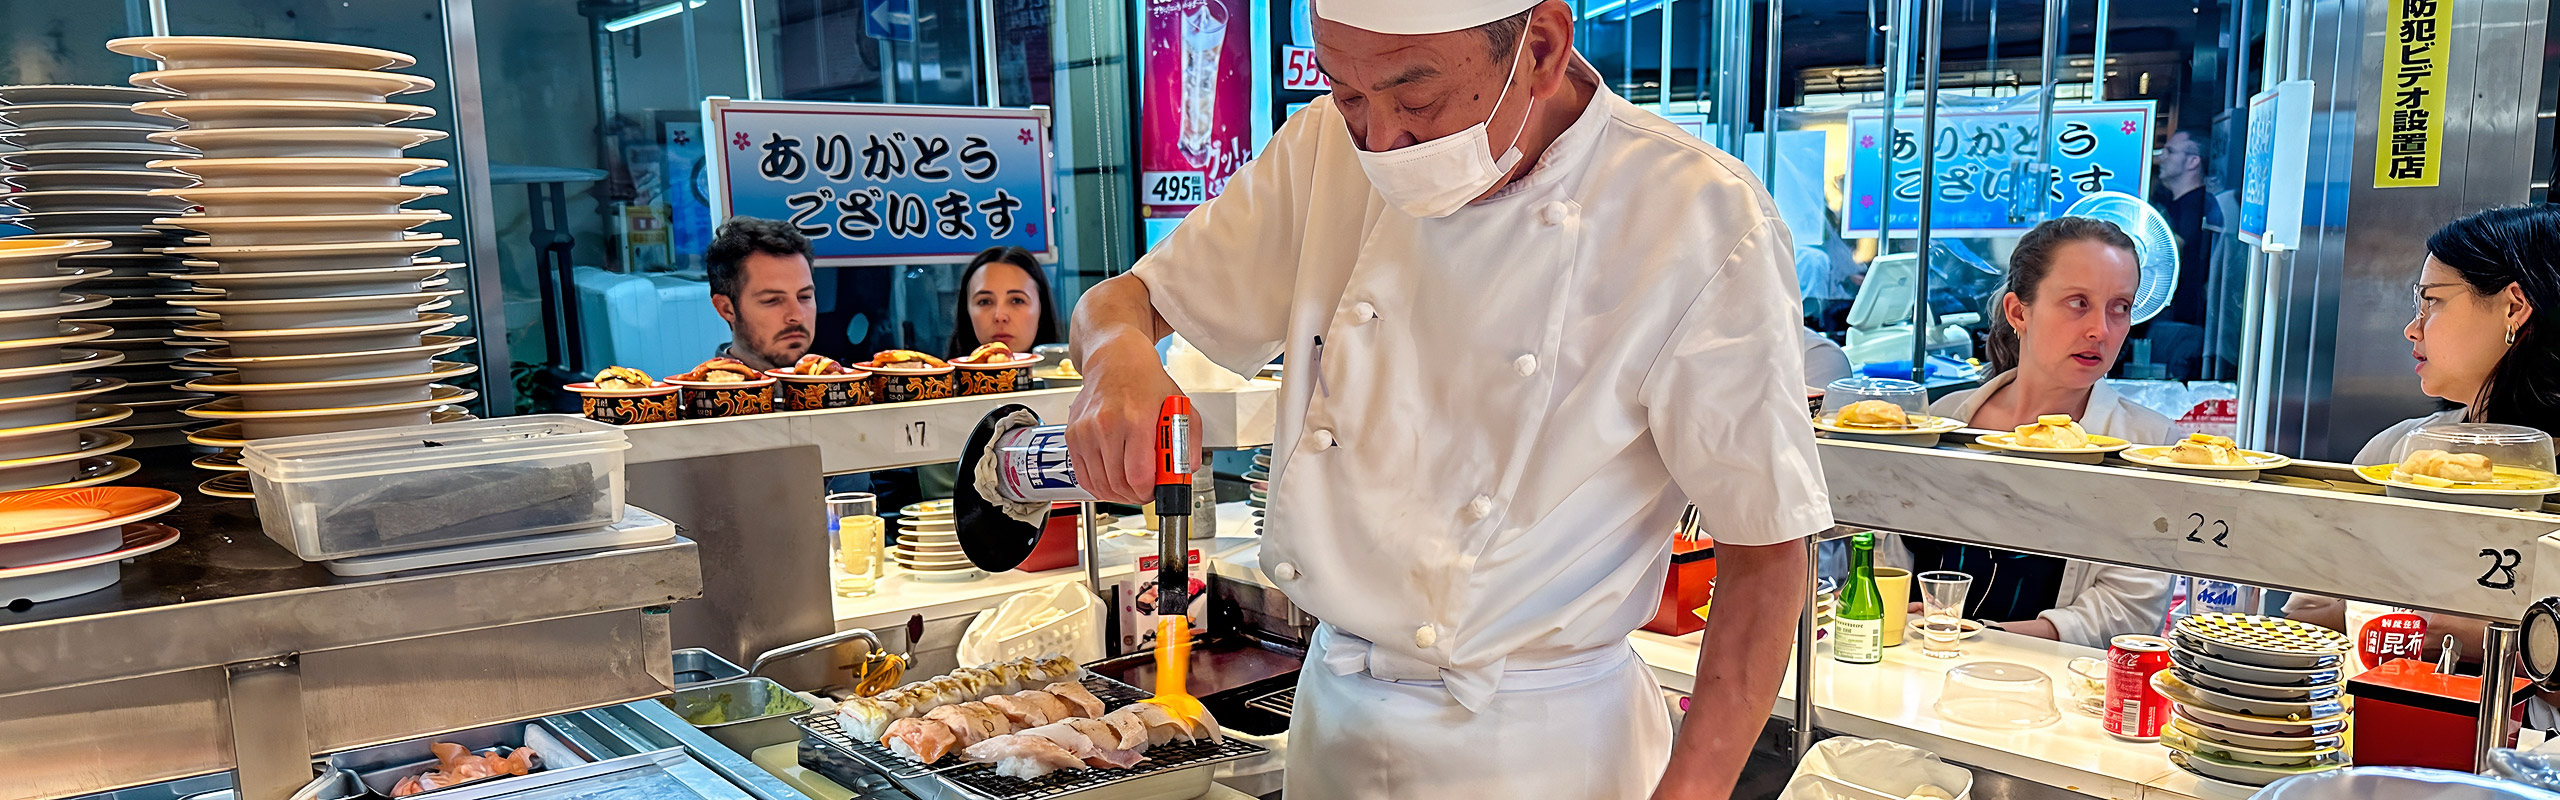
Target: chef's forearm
x=1760, y=592
x=1115, y=313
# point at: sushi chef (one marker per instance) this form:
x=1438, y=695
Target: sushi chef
x=1525, y=323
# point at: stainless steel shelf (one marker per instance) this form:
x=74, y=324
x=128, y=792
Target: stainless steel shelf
x=900, y=435
x=226, y=651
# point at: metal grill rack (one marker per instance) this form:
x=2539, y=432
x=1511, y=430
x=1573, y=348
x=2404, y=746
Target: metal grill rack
x=981, y=779
x=1281, y=702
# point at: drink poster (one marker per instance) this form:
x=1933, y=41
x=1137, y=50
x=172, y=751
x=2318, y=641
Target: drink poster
x=1195, y=114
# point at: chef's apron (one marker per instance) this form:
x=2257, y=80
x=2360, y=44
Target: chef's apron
x=1590, y=726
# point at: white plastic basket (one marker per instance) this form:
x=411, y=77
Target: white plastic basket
x=1064, y=618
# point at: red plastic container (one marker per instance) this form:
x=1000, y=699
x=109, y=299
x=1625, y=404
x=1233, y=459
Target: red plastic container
x=1691, y=585
x=2408, y=715
x=1057, y=547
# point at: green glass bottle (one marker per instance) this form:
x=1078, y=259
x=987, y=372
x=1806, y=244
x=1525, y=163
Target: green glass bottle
x=1857, y=630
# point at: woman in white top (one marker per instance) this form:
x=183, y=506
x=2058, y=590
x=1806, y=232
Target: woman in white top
x=2485, y=345
x=2060, y=324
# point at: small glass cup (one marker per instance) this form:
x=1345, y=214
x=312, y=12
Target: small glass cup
x=855, y=530
x=1942, y=596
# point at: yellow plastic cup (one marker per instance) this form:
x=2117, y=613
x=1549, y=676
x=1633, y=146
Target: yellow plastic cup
x=1894, y=584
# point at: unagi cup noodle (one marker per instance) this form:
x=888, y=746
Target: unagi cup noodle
x=902, y=383
x=721, y=400
x=658, y=403
x=797, y=392
x=1014, y=374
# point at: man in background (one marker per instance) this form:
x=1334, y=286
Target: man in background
x=2180, y=195
x=762, y=286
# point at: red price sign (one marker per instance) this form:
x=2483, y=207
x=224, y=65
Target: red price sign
x=1299, y=72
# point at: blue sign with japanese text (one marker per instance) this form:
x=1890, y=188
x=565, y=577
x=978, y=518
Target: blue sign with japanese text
x=1985, y=156
x=884, y=184
x=2277, y=162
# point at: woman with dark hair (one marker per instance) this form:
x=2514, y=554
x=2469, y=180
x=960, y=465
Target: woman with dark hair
x=1004, y=297
x=2486, y=345
x=2056, y=330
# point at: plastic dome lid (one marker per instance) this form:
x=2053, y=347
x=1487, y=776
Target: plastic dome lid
x=1865, y=401
x=2475, y=453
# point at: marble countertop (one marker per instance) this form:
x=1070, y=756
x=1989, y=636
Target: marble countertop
x=1891, y=700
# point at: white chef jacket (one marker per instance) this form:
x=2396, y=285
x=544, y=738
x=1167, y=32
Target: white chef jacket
x=1493, y=419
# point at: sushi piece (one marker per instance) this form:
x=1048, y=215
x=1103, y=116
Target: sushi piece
x=979, y=681
x=1108, y=749
x=1077, y=696
x=1058, y=668
x=1206, y=727
x=1021, y=756
x=919, y=740
x=1161, y=727
x=1049, y=704
x=1130, y=731
x=1023, y=713
x=1012, y=676
x=1066, y=735
x=865, y=718
x=970, y=725
x=947, y=690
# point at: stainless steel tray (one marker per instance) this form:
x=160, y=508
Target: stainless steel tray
x=826, y=749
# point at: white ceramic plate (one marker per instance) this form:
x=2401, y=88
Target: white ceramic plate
x=92, y=443
x=84, y=137
x=282, y=113
x=80, y=115
x=23, y=257
x=95, y=179
x=283, y=83
x=323, y=312
x=89, y=160
x=197, y=52
x=299, y=171
x=74, y=223
x=329, y=142
x=79, y=93
x=234, y=383
x=1932, y=425
x=2195, y=726
x=320, y=283
x=2185, y=695
x=69, y=333
x=94, y=200
x=90, y=415
x=307, y=229
x=2263, y=676
x=2158, y=456
x=258, y=201
x=18, y=293
x=230, y=408
x=301, y=257
x=359, y=364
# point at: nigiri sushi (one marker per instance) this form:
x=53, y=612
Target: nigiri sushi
x=1131, y=732
x=1012, y=676
x=1049, y=704
x=1058, y=668
x=1108, y=749
x=1076, y=695
x=979, y=681
x=970, y=722
x=919, y=740
x=1021, y=756
x=865, y=718
x=1023, y=713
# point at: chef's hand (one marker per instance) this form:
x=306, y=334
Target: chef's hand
x=1111, y=427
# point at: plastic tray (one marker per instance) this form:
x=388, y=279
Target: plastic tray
x=338, y=495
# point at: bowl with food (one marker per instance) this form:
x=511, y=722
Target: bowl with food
x=907, y=375
x=2057, y=437
x=994, y=368
x=626, y=396
x=1881, y=410
x=819, y=382
x=2471, y=463
x=723, y=387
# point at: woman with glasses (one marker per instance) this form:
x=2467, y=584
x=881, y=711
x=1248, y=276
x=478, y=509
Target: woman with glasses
x=2486, y=345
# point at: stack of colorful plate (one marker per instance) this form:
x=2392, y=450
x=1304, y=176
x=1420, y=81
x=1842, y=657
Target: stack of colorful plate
x=1258, y=487
x=48, y=409
x=84, y=173
x=56, y=543
x=928, y=545
x=2254, y=699
x=327, y=311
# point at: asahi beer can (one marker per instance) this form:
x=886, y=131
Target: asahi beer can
x=2136, y=711
x=1033, y=464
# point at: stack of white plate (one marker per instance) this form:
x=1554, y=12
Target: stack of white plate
x=2256, y=699
x=928, y=545
x=326, y=309
x=48, y=409
x=82, y=160
x=1258, y=487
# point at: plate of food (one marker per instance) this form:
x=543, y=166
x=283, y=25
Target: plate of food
x=1879, y=417
x=2055, y=436
x=2206, y=454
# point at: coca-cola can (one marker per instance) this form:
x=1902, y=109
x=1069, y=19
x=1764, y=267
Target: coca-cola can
x=2136, y=711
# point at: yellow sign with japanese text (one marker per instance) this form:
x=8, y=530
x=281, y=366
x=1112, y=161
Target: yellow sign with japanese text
x=2408, y=145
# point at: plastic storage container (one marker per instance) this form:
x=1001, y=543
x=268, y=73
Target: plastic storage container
x=1880, y=404
x=338, y=495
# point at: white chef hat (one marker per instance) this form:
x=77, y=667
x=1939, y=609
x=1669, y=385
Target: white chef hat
x=1409, y=17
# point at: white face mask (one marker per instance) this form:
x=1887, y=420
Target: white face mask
x=1434, y=179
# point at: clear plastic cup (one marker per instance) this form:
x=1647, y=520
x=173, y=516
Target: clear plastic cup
x=855, y=530
x=1942, y=596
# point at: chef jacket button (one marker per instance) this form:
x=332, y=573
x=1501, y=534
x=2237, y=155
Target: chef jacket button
x=1324, y=439
x=1527, y=365
x=1480, y=507
x=1364, y=312
x=1426, y=636
x=1555, y=213
x=1284, y=571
